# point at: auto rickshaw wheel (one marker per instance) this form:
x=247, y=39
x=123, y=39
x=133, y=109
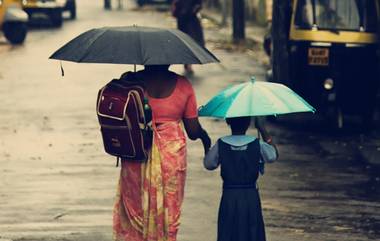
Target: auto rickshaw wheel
x=56, y=17
x=334, y=117
x=15, y=32
x=367, y=120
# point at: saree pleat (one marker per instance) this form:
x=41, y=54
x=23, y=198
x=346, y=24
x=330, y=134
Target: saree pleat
x=149, y=196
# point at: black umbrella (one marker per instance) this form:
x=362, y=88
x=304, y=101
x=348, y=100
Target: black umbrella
x=134, y=45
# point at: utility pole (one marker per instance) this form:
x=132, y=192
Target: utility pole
x=120, y=4
x=107, y=4
x=280, y=55
x=224, y=12
x=238, y=20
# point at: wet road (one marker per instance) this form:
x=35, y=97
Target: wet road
x=57, y=184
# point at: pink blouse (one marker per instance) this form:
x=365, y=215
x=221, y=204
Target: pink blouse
x=180, y=104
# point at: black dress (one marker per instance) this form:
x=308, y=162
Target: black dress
x=240, y=216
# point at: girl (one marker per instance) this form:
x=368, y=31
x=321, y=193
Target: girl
x=241, y=158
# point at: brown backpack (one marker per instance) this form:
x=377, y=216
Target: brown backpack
x=123, y=116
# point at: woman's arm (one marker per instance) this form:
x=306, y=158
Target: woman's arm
x=195, y=131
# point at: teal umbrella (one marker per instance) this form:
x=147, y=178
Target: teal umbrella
x=255, y=98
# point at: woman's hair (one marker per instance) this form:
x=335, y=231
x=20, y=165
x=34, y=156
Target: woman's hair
x=239, y=124
x=156, y=68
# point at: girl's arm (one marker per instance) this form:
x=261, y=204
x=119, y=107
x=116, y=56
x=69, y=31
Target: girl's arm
x=259, y=123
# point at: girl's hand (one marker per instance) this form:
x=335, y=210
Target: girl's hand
x=259, y=123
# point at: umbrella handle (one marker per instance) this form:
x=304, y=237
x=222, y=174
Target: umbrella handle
x=62, y=70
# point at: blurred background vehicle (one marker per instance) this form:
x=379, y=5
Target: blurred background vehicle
x=327, y=52
x=143, y=2
x=53, y=9
x=71, y=6
x=13, y=21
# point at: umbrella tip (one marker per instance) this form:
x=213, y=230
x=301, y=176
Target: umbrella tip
x=253, y=79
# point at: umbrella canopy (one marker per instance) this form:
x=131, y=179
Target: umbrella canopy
x=255, y=99
x=134, y=45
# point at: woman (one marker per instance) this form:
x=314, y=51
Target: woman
x=187, y=21
x=149, y=198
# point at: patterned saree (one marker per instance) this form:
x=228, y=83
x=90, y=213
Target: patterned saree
x=149, y=196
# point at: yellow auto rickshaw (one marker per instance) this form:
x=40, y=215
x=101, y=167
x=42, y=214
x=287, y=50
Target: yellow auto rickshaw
x=13, y=21
x=326, y=50
x=52, y=9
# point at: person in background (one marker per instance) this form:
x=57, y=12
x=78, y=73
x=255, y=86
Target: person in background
x=185, y=11
x=241, y=158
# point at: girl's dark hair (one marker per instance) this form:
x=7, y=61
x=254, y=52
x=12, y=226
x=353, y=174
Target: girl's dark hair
x=156, y=68
x=239, y=124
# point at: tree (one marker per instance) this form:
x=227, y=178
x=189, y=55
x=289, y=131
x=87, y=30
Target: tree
x=238, y=20
x=280, y=34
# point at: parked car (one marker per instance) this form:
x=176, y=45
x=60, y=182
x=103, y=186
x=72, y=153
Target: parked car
x=53, y=9
x=13, y=21
x=143, y=2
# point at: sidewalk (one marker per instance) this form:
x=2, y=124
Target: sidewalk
x=254, y=31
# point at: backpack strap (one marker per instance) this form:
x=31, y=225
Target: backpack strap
x=117, y=161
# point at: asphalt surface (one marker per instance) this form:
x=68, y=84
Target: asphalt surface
x=56, y=182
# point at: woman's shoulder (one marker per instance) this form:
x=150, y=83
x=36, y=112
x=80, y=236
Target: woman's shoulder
x=183, y=81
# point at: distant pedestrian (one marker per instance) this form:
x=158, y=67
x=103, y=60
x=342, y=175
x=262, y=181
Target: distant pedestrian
x=186, y=11
x=241, y=158
x=107, y=5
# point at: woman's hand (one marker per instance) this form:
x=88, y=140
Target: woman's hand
x=206, y=141
x=195, y=131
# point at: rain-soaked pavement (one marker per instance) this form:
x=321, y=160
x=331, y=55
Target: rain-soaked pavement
x=56, y=183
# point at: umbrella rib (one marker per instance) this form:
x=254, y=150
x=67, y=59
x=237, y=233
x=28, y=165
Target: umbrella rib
x=233, y=97
x=304, y=102
x=191, y=48
x=92, y=44
x=274, y=98
x=140, y=44
x=281, y=101
x=242, y=90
